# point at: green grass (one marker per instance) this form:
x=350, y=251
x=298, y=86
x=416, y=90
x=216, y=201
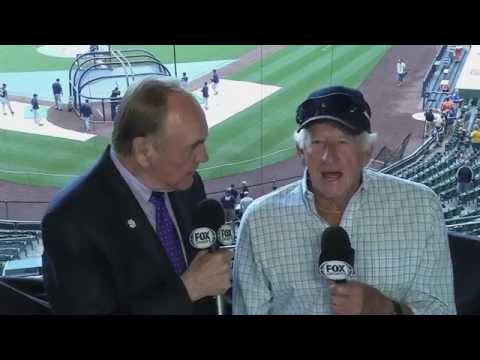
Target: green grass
x=44, y=160
x=259, y=136
x=262, y=134
x=20, y=58
x=190, y=53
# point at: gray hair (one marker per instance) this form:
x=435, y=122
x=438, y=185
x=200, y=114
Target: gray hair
x=143, y=111
x=303, y=140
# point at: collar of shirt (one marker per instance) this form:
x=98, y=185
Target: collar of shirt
x=141, y=192
x=137, y=187
x=309, y=198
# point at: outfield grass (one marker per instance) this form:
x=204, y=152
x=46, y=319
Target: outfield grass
x=262, y=134
x=259, y=136
x=19, y=58
x=189, y=53
x=44, y=160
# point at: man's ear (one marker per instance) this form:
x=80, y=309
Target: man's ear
x=141, y=149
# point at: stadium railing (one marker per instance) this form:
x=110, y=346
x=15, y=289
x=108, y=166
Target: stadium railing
x=409, y=159
x=17, y=302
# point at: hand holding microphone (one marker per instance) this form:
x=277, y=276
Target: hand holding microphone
x=356, y=298
x=209, y=273
x=336, y=263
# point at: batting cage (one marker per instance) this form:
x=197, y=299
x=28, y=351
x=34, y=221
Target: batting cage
x=102, y=77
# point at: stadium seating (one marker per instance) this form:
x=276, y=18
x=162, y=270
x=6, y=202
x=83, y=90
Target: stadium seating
x=436, y=95
x=437, y=168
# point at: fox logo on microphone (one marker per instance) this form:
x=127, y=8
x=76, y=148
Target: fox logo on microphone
x=203, y=238
x=225, y=235
x=336, y=270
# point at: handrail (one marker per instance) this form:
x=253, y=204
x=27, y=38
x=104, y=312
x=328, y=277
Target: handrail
x=464, y=218
x=416, y=153
x=463, y=224
x=431, y=70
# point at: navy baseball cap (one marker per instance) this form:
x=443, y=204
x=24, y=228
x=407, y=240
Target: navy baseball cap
x=342, y=105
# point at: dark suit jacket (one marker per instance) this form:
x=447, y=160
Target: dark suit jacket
x=95, y=263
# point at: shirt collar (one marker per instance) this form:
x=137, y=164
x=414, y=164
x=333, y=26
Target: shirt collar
x=136, y=185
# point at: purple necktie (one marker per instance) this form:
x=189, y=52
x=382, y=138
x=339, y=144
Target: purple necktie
x=167, y=233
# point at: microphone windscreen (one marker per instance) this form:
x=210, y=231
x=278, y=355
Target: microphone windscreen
x=208, y=213
x=335, y=245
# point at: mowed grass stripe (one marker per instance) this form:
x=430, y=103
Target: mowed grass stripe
x=291, y=61
x=317, y=62
x=275, y=117
x=19, y=58
x=189, y=53
x=364, y=64
x=273, y=63
x=278, y=121
x=321, y=68
x=26, y=152
x=22, y=58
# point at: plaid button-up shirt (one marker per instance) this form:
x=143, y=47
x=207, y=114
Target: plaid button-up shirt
x=395, y=226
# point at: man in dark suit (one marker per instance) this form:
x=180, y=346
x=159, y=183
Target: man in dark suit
x=109, y=248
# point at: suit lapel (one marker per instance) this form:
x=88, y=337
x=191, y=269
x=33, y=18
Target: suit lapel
x=130, y=215
x=129, y=209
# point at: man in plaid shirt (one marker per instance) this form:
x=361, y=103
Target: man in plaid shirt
x=396, y=227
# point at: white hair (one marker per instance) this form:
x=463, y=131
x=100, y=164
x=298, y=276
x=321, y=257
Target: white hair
x=303, y=140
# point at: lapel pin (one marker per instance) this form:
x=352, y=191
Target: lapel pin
x=131, y=224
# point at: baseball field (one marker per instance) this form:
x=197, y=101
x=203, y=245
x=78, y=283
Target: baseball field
x=251, y=120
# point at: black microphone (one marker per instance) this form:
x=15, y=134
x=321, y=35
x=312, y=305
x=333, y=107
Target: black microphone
x=337, y=256
x=208, y=217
